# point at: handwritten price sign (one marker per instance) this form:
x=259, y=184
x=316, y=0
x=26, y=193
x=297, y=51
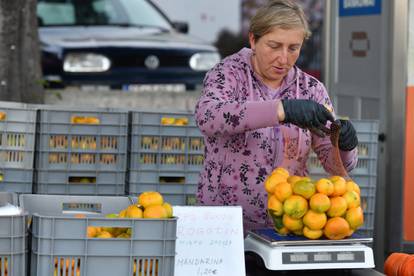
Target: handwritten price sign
x=209, y=241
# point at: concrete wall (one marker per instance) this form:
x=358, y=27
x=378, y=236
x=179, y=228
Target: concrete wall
x=153, y=100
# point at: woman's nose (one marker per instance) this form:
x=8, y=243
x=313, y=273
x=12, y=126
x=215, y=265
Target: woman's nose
x=283, y=57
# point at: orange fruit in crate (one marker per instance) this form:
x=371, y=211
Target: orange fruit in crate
x=104, y=235
x=304, y=188
x=282, y=191
x=336, y=228
x=272, y=180
x=314, y=220
x=295, y=206
x=133, y=211
x=324, y=186
x=339, y=185
x=320, y=203
x=150, y=198
x=274, y=205
x=355, y=217
x=291, y=223
x=155, y=212
x=352, y=199
x=338, y=207
x=91, y=231
x=312, y=234
x=168, y=208
x=281, y=171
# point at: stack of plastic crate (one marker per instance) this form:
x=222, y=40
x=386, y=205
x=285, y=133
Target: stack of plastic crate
x=166, y=155
x=17, y=145
x=81, y=151
x=13, y=234
x=365, y=172
x=62, y=246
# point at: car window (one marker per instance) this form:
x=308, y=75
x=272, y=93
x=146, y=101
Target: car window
x=100, y=12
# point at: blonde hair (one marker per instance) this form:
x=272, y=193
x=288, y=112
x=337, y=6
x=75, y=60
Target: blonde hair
x=284, y=14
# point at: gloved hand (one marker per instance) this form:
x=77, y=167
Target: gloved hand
x=307, y=114
x=348, y=139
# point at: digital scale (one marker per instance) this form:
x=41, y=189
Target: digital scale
x=298, y=253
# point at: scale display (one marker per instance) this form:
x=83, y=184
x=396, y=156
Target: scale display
x=323, y=257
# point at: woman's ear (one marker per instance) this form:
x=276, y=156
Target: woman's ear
x=252, y=41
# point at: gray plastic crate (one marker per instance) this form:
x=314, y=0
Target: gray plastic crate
x=17, y=146
x=81, y=140
x=13, y=246
x=59, y=239
x=177, y=188
x=80, y=182
x=166, y=155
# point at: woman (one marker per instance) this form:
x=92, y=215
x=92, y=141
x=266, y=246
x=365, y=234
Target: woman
x=259, y=111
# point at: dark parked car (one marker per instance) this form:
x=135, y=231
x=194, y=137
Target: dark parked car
x=118, y=43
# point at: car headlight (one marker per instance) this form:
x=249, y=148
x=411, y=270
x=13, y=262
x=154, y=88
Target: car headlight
x=204, y=61
x=86, y=62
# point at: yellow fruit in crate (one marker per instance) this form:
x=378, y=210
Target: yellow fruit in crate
x=312, y=234
x=336, y=228
x=91, y=231
x=304, y=188
x=352, y=199
x=298, y=232
x=281, y=171
x=355, y=217
x=295, y=206
x=167, y=121
x=314, y=220
x=339, y=185
x=104, y=235
x=320, y=203
x=155, y=212
x=150, y=198
x=338, y=207
x=122, y=214
x=324, y=186
x=272, y=180
x=133, y=211
x=181, y=121
x=168, y=208
x=282, y=191
x=123, y=236
x=291, y=223
x=275, y=205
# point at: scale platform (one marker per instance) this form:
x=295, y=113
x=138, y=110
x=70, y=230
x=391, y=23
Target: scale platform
x=298, y=253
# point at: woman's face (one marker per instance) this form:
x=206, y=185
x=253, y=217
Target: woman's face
x=275, y=53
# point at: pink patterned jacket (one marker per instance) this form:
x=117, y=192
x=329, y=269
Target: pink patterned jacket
x=245, y=141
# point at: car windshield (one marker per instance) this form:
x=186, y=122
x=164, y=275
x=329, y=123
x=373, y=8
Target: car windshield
x=137, y=13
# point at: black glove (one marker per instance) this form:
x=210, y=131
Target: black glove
x=348, y=139
x=307, y=114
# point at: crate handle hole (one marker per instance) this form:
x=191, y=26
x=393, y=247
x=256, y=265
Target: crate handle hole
x=85, y=120
x=82, y=180
x=172, y=179
x=108, y=231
